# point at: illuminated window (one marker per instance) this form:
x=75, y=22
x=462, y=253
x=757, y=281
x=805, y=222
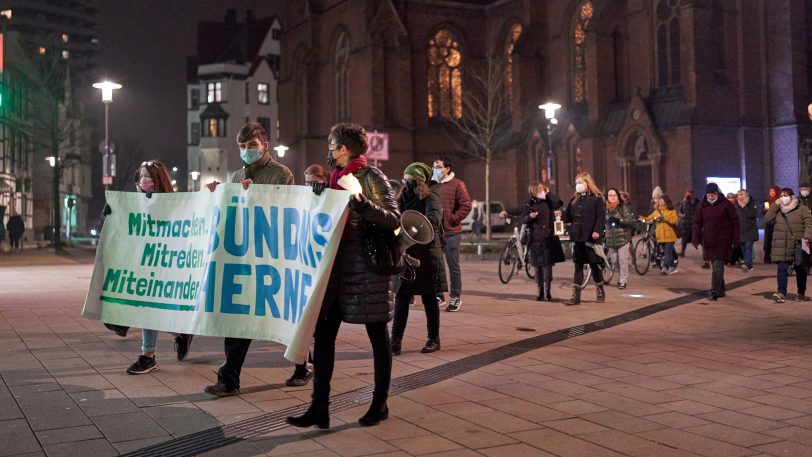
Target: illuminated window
x=582, y=18
x=214, y=92
x=65, y=54
x=510, y=44
x=263, y=90
x=214, y=128
x=444, y=76
x=668, y=59
x=342, y=83
x=41, y=50
x=65, y=37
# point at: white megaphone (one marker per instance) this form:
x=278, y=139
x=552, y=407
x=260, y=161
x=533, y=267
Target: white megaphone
x=414, y=228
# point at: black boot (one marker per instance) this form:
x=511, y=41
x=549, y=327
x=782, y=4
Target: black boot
x=317, y=414
x=575, y=299
x=540, y=296
x=378, y=411
x=396, y=345
x=547, y=288
x=600, y=294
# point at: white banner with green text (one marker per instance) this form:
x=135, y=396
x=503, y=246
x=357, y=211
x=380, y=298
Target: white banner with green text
x=239, y=263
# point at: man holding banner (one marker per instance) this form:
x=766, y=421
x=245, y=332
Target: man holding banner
x=355, y=293
x=260, y=168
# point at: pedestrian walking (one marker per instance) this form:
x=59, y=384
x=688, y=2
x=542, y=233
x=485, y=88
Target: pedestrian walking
x=685, y=211
x=477, y=226
x=790, y=242
x=355, y=294
x=666, y=232
x=586, y=214
x=422, y=194
x=16, y=229
x=775, y=192
x=716, y=228
x=620, y=220
x=456, y=205
x=259, y=168
x=748, y=213
x=545, y=247
x=153, y=177
x=803, y=195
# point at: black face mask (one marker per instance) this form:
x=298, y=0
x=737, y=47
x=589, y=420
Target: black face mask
x=331, y=162
x=410, y=184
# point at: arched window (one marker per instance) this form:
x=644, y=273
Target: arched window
x=510, y=43
x=669, y=66
x=444, y=76
x=342, y=91
x=582, y=17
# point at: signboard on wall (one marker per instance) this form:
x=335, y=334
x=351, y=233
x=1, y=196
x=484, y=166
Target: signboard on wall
x=378, y=146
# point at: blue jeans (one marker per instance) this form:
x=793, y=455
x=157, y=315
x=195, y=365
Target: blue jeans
x=452, y=257
x=783, y=278
x=747, y=253
x=149, y=340
x=668, y=255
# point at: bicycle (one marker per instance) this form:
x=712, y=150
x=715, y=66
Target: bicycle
x=647, y=252
x=608, y=268
x=513, y=258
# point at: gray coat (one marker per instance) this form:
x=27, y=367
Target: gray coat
x=747, y=220
x=789, y=227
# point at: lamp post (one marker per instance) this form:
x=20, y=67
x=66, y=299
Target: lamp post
x=549, y=113
x=58, y=165
x=109, y=163
x=280, y=150
x=195, y=176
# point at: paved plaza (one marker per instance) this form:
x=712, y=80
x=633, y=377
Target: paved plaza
x=657, y=370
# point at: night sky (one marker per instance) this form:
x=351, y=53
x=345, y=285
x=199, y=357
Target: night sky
x=143, y=46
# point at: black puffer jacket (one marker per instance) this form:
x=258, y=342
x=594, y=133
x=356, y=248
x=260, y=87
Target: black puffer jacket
x=430, y=276
x=363, y=295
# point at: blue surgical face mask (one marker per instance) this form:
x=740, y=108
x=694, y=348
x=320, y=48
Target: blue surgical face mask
x=437, y=175
x=250, y=156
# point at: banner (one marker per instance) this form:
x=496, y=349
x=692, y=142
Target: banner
x=239, y=263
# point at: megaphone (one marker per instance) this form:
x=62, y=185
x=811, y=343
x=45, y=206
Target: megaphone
x=415, y=228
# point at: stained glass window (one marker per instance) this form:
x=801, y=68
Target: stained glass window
x=669, y=64
x=342, y=91
x=582, y=17
x=444, y=76
x=510, y=43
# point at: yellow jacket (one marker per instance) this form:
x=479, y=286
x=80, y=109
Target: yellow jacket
x=666, y=228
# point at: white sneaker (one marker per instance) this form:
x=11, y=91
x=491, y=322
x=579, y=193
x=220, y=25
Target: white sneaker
x=672, y=271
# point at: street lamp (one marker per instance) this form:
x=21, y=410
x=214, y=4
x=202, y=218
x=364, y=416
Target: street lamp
x=280, y=150
x=549, y=113
x=58, y=164
x=108, y=150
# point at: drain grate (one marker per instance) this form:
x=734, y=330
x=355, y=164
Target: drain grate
x=219, y=437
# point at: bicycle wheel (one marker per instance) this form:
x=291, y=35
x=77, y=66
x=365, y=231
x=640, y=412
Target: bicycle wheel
x=642, y=256
x=507, y=263
x=529, y=269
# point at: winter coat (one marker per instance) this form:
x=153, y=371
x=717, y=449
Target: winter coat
x=794, y=225
x=430, y=276
x=456, y=203
x=363, y=295
x=266, y=170
x=545, y=247
x=685, y=211
x=15, y=226
x=716, y=228
x=665, y=223
x=748, y=220
x=619, y=223
x=585, y=214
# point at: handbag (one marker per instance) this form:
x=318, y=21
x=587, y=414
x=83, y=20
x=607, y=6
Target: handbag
x=383, y=253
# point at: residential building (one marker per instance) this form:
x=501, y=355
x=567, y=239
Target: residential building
x=232, y=81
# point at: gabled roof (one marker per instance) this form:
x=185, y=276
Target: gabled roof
x=214, y=110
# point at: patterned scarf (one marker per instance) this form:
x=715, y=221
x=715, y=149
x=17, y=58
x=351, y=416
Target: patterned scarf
x=351, y=167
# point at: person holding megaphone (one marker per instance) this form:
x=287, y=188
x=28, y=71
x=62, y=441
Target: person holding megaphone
x=426, y=277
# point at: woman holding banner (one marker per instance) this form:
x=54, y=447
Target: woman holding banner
x=421, y=194
x=152, y=177
x=355, y=294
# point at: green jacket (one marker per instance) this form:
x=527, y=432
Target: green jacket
x=789, y=227
x=266, y=170
x=619, y=223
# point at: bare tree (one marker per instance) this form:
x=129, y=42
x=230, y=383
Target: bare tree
x=486, y=123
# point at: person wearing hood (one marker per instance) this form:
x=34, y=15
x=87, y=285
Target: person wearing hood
x=803, y=195
x=716, y=228
x=775, y=191
x=793, y=229
x=545, y=248
x=586, y=214
x=259, y=168
x=747, y=211
x=422, y=194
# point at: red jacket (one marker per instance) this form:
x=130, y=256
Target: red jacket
x=456, y=203
x=716, y=228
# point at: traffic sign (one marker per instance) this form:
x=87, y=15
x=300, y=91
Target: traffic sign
x=378, y=146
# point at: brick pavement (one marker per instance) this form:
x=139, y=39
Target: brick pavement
x=732, y=377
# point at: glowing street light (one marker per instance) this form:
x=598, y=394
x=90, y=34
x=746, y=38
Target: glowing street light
x=549, y=113
x=280, y=150
x=107, y=89
x=109, y=171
